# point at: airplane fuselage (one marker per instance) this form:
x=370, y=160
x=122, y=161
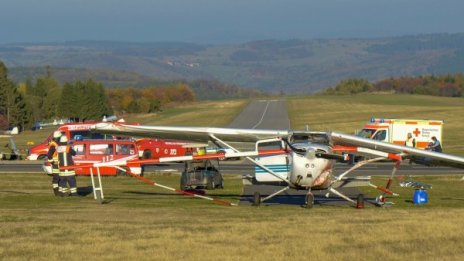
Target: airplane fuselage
x=309, y=171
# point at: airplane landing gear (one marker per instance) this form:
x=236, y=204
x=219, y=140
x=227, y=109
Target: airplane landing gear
x=309, y=200
x=257, y=199
x=360, y=201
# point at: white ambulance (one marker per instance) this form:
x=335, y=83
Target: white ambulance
x=396, y=131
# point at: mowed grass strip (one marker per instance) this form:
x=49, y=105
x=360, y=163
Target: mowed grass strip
x=148, y=223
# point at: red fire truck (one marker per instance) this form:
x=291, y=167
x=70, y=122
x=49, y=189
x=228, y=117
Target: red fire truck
x=147, y=148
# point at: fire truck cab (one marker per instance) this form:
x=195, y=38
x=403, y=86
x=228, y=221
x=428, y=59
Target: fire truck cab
x=95, y=151
x=72, y=131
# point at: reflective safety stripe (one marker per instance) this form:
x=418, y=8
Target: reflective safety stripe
x=54, y=185
x=67, y=173
x=73, y=190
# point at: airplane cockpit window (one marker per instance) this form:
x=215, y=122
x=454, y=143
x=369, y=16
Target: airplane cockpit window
x=380, y=135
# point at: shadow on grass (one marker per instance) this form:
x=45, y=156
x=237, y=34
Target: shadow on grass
x=14, y=192
x=456, y=199
x=196, y=191
x=84, y=191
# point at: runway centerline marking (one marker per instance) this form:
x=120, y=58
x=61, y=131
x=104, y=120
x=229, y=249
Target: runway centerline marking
x=262, y=116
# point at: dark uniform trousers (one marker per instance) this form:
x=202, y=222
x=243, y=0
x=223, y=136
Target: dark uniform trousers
x=67, y=176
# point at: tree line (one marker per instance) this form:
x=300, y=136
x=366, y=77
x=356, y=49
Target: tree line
x=444, y=85
x=44, y=99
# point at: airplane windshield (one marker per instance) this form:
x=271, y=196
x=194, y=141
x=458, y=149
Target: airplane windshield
x=366, y=133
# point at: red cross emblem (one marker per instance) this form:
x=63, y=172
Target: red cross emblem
x=416, y=132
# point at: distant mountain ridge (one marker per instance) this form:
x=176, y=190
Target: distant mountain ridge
x=287, y=66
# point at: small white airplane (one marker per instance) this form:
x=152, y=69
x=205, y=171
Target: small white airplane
x=304, y=165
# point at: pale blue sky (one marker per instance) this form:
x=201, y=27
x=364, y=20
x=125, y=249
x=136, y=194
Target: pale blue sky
x=222, y=21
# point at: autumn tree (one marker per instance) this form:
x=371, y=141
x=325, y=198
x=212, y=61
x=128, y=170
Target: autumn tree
x=14, y=110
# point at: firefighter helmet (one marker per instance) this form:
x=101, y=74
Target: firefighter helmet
x=63, y=139
x=56, y=134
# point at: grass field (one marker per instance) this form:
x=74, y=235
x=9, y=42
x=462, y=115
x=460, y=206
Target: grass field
x=148, y=223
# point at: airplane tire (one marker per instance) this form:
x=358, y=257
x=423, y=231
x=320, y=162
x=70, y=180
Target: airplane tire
x=309, y=200
x=360, y=201
x=256, y=199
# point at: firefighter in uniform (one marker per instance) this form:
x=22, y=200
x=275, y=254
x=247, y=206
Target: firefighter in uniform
x=67, y=176
x=53, y=160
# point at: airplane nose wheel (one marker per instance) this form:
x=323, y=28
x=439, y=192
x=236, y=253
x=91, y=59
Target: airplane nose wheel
x=309, y=200
x=256, y=199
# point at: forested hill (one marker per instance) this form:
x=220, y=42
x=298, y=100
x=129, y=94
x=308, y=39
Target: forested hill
x=291, y=66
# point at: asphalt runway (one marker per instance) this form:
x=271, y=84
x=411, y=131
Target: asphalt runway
x=263, y=114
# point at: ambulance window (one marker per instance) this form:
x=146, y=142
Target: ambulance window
x=125, y=149
x=380, y=135
x=80, y=149
x=366, y=133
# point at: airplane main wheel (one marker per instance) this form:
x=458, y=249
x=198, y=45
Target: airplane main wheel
x=256, y=199
x=309, y=200
x=360, y=201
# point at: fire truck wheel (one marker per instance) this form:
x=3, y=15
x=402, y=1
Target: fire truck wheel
x=121, y=173
x=146, y=154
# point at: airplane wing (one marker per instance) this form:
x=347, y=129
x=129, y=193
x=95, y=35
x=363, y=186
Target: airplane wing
x=204, y=134
x=422, y=156
x=198, y=134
